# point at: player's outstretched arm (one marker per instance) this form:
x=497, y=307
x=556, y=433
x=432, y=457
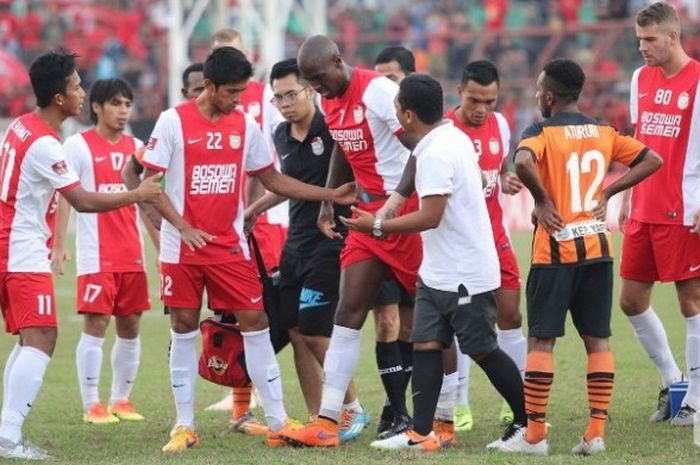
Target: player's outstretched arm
x=83, y=201
x=260, y=206
x=645, y=165
x=131, y=176
x=545, y=212
x=59, y=253
x=429, y=215
x=287, y=186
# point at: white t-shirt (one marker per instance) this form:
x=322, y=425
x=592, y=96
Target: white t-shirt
x=461, y=249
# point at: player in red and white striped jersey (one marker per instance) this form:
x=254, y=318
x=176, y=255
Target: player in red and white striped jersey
x=490, y=134
x=204, y=146
x=359, y=111
x=662, y=228
x=109, y=253
x=32, y=168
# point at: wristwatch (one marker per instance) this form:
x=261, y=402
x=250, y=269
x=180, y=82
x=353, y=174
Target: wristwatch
x=377, y=228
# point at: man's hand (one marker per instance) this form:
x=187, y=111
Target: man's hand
x=600, y=211
x=696, y=223
x=363, y=221
x=59, y=255
x=150, y=189
x=326, y=223
x=345, y=194
x=249, y=218
x=195, y=238
x=510, y=183
x=547, y=216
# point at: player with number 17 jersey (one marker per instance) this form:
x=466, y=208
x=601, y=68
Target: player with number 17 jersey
x=109, y=247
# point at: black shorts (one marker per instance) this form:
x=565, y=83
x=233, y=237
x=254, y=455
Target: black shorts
x=393, y=293
x=586, y=290
x=309, y=290
x=439, y=315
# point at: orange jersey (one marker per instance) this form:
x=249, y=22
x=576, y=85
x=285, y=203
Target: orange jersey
x=572, y=154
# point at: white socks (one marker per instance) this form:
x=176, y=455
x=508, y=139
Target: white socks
x=651, y=334
x=6, y=373
x=692, y=360
x=264, y=372
x=339, y=366
x=513, y=343
x=464, y=367
x=183, y=375
x=21, y=387
x=126, y=355
x=88, y=358
x=448, y=398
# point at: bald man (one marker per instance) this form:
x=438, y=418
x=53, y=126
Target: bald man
x=370, y=145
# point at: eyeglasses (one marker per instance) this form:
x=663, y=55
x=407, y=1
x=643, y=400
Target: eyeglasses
x=290, y=97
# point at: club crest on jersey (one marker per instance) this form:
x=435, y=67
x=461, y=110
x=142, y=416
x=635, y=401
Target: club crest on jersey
x=494, y=146
x=358, y=113
x=234, y=140
x=317, y=146
x=683, y=100
x=60, y=167
x=152, y=143
x=254, y=109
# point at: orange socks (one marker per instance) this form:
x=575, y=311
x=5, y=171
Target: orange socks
x=539, y=373
x=601, y=377
x=241, y=401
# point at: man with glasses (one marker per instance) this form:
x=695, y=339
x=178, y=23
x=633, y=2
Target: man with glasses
x=310, y=264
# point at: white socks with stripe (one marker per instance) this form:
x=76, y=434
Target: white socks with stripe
x=88, y=359
x=692, y=360
x=264, y=372
x=21, y=387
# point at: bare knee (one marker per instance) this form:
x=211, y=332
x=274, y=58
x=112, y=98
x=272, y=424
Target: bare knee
x=43, y=339
x=184, y=321
x=96, y=324
x=252, y=320
x=386, y=320
x=128, y=326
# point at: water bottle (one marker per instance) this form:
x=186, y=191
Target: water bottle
x=696, y=429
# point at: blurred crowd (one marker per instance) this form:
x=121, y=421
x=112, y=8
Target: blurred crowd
x=129, y=38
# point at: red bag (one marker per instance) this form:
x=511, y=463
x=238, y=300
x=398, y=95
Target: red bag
x=222, y=360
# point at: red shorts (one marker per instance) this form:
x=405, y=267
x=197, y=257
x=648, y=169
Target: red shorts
x=230, y=286
x=27, y=301
x=510, y=274
x=659, y=252
x=403, y=253
x=117, y=294
x=271, y=238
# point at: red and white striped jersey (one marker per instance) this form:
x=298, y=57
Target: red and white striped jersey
x=204, y=163
x=491, y=143
x=666, y=115
x=108, y=241
x=363, y=123
x=32, y=168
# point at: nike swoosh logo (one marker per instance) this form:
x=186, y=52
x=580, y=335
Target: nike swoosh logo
x=695, y=268
x=178, y=385
x=88, y=378
x=323, y=435
x=100, y=159
x=411, y=442
x=255, y=300
x=643, y=95
x=194, y=141
x=312, y=305
x=284, y=157
x=693, y=369
x=272, y=379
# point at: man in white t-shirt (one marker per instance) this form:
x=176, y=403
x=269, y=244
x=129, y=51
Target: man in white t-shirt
x=460, y=268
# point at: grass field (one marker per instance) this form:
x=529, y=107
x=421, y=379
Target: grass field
x=55, y=422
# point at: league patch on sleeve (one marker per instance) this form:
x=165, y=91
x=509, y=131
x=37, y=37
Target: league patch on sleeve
x=60, y=167
x=152, y=143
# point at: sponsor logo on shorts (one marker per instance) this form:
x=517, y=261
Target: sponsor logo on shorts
x=255, y=300
x=310, y=298
x=694, y=268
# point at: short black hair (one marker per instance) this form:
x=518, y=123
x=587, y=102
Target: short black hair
x=483, y=72
x=422, y=94
x=193, y=68
x=226, y=65
x=403, y=56
x=104, y=90
x=284, y=68
x=49, y=75
x=566, y=78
